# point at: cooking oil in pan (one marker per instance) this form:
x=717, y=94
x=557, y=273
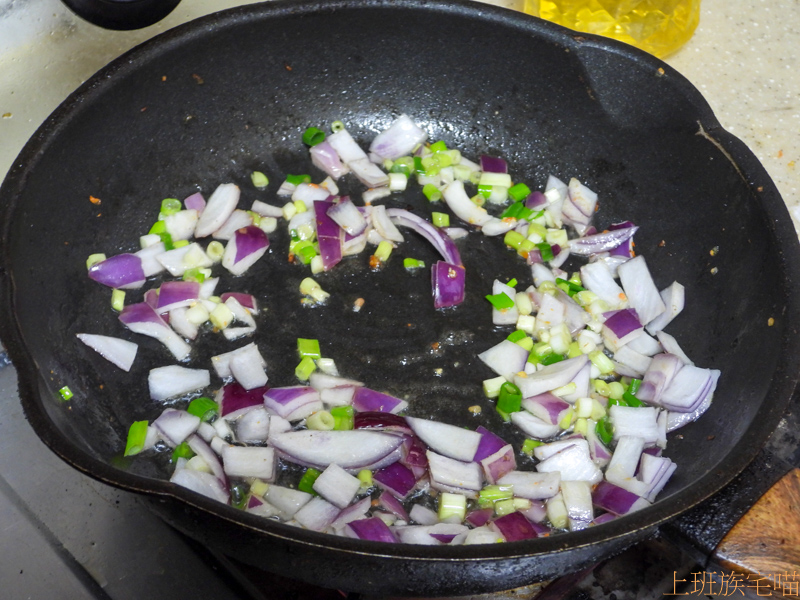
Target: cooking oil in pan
x=657, y=26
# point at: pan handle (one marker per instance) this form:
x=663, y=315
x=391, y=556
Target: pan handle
x=122, y=15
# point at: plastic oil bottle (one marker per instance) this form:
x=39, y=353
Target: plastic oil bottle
x=657, y=26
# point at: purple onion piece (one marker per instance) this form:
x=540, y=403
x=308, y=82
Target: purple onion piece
x=449, y=283
x=414, y=455
x=479, y=517
x=246, y=300
x=324, y=157
x=400, y=138
x=326, y=226
x=493, y=164
x=367, y=400
x=195, y=202
x=372, y=529
x=535, y=200
x=249, y=240
x=498, y=464
x=173, y=294
x=123, y=271
x=601, y=242
x=235, y=400
x=515, y=527
x=392, y=504
x=614, y=499
x=440, y=240
x=397, y=479
x=622, y=322
x=489, y=444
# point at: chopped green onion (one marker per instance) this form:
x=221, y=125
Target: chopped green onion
x=298, y=179
x=170, y=206
x=66, y=393
x=306, y=367
x=413, y=263
x=167, y=239
x=137, y=433
x=570, y=287
x=529, y=445
x=452, y=506
x=308, y=347
x=94, y=259
x=321, y=420
x=195, y=274
x=485, y=190
x=259, y=487
x=260, y=181
x=514, y=239
x=203, y=407
x=566, y=420
x=504, y=507
x=491, y=387
x=551, y=359
x=365, y=477
x=215, y=251
x=616, y=390
x=306, y=482
x=337, y=126
x=343, y=417
x=384, y=251
x=516, y=336
x=158, y=227
x=602, y=362
x=510, y=398
x=512, y=282
x=221, y=316
x=419, y=169
x=118, y=300
x=492, y=493
x=546, y=251
x=313, y=136
x=182, y=450
x=634, y=386
x=631, y=400
x=309, y=287
x=239, y=496
x=305, y=251
x=179, y=244
x=440, y=219
x=604, y=430
x=431, y=192
x=439, y=146
x=501, y=301
x=519, y=192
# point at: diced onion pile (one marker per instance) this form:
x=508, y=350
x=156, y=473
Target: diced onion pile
x=587, y=372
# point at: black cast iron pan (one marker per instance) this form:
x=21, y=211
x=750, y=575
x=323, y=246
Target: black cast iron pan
x=210, y=101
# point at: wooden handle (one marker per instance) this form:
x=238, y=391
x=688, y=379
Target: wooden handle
x=764, y=545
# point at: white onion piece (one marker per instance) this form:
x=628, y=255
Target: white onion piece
x=449, y=474
x=423, y=515
x=384, y=226
x=253, y=426
x=337, y=486
x=368, y=173
x=357, y=510
x=247, y=367
x=286, y=500
x=206, y=431
x=638, y=421
x=541, y=273
x=505, y=358
x=676, y=420
x=545, y=451
x=655, y=471
x=267, y=210
x=550, y=377
x=250, y=461
x=218, y=208
x=532, y=485
x=641, y=290
x=221, y=362
x=551, y=312
x=597, y=278
x=347, y=216
x=115, y=350
x=645, y=344
x=238, y=219
x=622, y=468
x=506, y=316
x=240, y=313
x=346, y=147
x=689, y=388
x=173, y=380
x=350, y=449
x=658, y=376
x=465, y=209
x=325, y=158
x=181, y=324
x=174, y=426
x=177, y=261
x=202, y=483
x=141, y=318
x=317, y=514
x=671, y=345
x=573, y=463
x=181, y=225
x=307, y=193
x=449, y=440
x=578, y=500
x=247, y=245
x=258, y=506
x=416, y=534
x=674, y=298
x=399, y=139
x=637, y=363
x=150, y=264
x=582, y=381
x=534, y=426
x=495, y=226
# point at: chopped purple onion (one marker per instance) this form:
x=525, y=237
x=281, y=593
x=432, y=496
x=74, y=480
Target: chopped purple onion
x=123, y=271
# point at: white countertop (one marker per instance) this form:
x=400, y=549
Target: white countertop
x=743, y=58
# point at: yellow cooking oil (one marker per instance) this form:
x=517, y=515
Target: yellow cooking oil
x=656, y=26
